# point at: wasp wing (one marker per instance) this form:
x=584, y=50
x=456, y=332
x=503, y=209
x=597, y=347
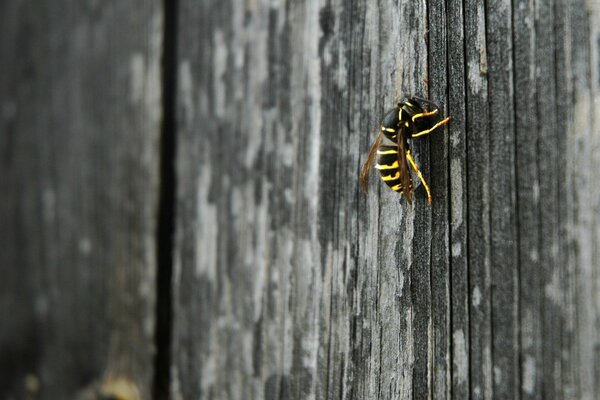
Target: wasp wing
x=366, y=168
x=403, y=164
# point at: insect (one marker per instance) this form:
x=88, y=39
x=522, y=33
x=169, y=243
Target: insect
x=412, y=118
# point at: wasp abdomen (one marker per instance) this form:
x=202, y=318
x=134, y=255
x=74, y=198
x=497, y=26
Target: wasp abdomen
x=389, y=166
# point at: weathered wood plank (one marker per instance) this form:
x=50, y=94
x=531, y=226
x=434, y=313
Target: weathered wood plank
x=413, y=58
x=292, y=268
x=438, y=51
x=504, y=262
x=583, y=141
x=527, y=197
x=297, y=284
x=565, y=25
x=458, y=193
x=593, y=199
x=564, y=96
x=552, y=308
x=438, y=179
x=478, y=186
x=80, y=99
x=252, y=254
x=289, y=281
x=594, y=47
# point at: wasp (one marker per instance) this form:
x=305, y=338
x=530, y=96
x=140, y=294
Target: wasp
x=412, y=118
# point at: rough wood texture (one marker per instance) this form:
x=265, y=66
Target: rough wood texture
x=291, y=283
x=288, y=281
x=80, y=101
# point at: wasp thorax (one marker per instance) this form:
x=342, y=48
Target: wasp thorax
x=391, y=120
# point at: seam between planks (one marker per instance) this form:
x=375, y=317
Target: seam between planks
x=166, y=206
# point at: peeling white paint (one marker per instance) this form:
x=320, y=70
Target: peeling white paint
x=207, y=229
x=85, y=246
x=237, y=202
x=477, y=69
x=175, y=383
x=261, y=256
x=341, y=78
x=284, y=260
x=400, y=283
x=309, y=291
x=460, y=359
x=255, y=43
x=210, y=369
x=287, y=154
x=533, y=255
x=481, y=39
x=327, y=57
x=553, y=290
x=455, y=140
x=186, y=91
x=529, y=373
x=219, y=68
x=527, y=330
x=456, y=191
x=476, y=296
x=153, y=87
x=137, y=72
x=313, y=34
x=474, y=71
x=535, y=190
x=289, y=196
x=497, y=376
x=456, y=249
x=145, y=89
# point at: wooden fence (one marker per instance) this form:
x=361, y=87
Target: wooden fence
x=181, y=215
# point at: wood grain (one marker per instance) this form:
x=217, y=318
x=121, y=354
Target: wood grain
x=81, y=107
x=479, y=192
x=527, y=146
x=463, y=302
x=285, y=280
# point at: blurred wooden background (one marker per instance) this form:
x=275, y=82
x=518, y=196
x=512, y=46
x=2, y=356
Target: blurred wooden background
x=180, y=213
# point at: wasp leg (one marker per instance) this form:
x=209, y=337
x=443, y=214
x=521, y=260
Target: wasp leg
x=424, y=114
x=433, y=128
x=414, y=165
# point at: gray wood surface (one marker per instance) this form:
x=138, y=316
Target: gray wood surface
x=80, y=101
x=286, y=280
x=301, y=286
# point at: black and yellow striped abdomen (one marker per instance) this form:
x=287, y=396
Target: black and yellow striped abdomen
x=388, y=165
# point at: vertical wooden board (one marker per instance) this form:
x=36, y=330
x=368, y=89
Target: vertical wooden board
x=579, y=156
x=80, y=97
x=20, y=341
x=505, y=284
x=550, y=163
x=527, y=196
x=458, y=191
x=412, y=232
x=478, y=215
x=412, y=32
x=438, y=180
x=249, y=271
x=289, y=281
x=564, y=95
x=594, y=195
